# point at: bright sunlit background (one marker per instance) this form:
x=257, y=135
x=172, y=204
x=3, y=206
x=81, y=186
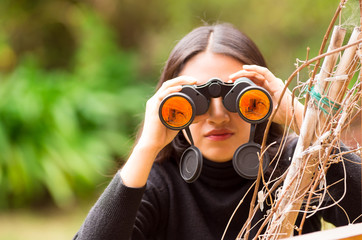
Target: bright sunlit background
x=74, y=79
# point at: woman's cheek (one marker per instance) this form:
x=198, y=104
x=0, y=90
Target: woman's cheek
x=200, y=118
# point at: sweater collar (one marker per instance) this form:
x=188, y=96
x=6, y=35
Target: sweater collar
x=220, y=174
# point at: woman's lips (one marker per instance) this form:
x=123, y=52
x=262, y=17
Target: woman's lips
x=219, y=135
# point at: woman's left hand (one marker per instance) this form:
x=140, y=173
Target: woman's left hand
x=263, y=77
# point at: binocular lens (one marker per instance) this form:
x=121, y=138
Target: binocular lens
x=177, y=112
x=254, y=105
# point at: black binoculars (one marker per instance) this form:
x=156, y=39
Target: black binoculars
x=253, y=103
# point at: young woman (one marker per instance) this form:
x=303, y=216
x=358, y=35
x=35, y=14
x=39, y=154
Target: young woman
x=148, y=199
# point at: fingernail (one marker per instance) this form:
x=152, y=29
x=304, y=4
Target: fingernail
x=246, y=66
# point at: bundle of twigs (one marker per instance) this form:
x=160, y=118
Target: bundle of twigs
x=329, y=106
x=318, y=136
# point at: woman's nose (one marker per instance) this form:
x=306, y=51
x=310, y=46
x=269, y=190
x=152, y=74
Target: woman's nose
x=217, y=112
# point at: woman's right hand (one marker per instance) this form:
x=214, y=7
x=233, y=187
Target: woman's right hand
x=154, y=133
x=154, y=136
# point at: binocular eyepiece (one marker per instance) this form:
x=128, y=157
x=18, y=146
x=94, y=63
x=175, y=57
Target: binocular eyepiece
x=253, y=103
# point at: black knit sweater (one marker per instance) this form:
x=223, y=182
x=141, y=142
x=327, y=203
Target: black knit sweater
x=169, y=208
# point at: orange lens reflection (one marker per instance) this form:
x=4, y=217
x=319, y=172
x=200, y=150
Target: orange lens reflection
x=254, y=104
x=177, y=112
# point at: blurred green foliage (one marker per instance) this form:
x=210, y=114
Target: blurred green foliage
x=75, y=76
x=60, y=131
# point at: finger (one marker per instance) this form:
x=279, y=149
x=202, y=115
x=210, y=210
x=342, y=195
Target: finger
x=269, y=76
x=252, y=75
x=237, y=75
x=162, y=94
x=181, y=80
x=270, y=80
x=271, y=84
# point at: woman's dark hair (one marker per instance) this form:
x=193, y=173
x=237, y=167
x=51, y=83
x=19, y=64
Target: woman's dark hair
x=226, y=40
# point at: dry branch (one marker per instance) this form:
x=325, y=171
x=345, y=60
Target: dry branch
x=319, y=135
x=303, y=177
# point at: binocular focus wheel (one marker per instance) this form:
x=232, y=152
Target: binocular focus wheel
x=246, y=160
x=191, y=164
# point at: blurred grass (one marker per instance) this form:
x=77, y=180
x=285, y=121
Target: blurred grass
x=42, y=224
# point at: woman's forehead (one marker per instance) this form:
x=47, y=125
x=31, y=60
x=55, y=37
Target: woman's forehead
x=206, y=65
